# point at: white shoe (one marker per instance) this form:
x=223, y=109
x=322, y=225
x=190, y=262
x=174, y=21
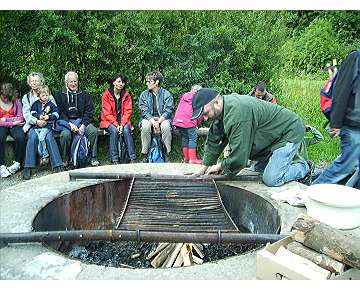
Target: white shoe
x=15, y=167
x=4, y=172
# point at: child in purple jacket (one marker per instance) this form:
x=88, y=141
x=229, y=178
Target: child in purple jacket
x=182, y=120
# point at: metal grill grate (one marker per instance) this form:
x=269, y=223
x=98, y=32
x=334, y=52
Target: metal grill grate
x=183, y=205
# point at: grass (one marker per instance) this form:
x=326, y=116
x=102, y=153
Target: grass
x=302, y=97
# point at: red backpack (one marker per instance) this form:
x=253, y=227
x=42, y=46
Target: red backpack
x=326, y=98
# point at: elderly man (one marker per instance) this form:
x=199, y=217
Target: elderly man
x=254, y=130
x=156, y=106
x=76, y=108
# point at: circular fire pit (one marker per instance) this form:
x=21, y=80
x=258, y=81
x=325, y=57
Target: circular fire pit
x=23, y=205
x=165, y=205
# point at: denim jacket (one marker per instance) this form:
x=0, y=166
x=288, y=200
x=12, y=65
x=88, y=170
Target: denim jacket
x=164, y=100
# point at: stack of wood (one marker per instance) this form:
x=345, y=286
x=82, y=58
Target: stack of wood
x=320, y=251
x=172, y=255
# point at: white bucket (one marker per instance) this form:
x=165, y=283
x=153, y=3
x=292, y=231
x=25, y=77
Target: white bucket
x=335, y=205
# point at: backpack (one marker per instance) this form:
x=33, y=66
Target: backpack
x=123, y=152
x=326, y=98
x=79, y=151
x=157, y=150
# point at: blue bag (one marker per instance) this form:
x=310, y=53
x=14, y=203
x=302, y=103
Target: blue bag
x=157, y=150
x=79, y=151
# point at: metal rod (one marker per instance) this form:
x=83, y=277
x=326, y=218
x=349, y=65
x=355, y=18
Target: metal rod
x=73, y=175
x=139, y=235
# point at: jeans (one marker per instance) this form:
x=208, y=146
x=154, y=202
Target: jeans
x=114, y=139
x=65, y=141
x=18, y=134
x=281, y=168
x=188, y=137
x=345, y=164
x=42, y=132
x=32, y=149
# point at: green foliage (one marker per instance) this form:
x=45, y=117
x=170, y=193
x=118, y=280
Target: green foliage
x=228, y=50
x=302, y=97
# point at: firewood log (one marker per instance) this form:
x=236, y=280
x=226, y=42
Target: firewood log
x=319, y=259
x=161, y=257
x=327, y=240
x=173, y=255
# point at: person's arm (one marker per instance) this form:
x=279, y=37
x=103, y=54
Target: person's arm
x=106, y=110
x=342, y=91
x=214, y=144
x=240, y=148
x=54, y=115
x=168, y=107
x=316, y=138
x=88, y=110
x=145, y=105
x=26, y=108
x=127, y=111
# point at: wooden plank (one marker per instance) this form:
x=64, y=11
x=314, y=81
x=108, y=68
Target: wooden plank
x=159, y=248
x=161, y=257
x=185, y=252
x=319, y=259
x=301, y=265
x=197, y=260
x=198, y=250
x=173, y=255
x=324, y=239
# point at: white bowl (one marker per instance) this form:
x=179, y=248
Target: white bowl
x=335, y=205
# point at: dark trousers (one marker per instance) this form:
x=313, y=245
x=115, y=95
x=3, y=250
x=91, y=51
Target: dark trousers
x=65, y=141
x=18, y=134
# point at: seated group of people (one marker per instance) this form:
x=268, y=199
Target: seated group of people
x=33, y=120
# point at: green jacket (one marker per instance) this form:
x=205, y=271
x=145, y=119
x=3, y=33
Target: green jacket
x=254, y=130
x=307, y=141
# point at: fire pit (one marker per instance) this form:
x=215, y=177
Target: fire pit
x=207, y=212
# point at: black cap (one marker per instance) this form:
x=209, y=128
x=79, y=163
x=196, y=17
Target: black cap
x=200, y=99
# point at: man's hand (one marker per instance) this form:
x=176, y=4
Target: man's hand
x=197, y=172
x=73, y=128
x=82, y=129
x=41, y=123
x=215, y=169
x=156, y=125
x=334, y=132
x=120, y=129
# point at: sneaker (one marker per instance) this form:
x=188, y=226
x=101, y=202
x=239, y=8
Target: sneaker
x=114, y=162
x=27, y=173
x=58, y=169
x=133, y=161
x=4, y=172
x=15, y=167
x=44, y=161
x=94, y=162
x=145, y=159
x=307, y=180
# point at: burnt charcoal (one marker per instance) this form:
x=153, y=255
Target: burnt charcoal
x=118, y=254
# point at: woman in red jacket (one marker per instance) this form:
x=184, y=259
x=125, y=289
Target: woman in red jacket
x=115, y=117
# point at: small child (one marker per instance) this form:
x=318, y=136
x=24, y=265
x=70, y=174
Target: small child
x=44, y=109
x=182, y=120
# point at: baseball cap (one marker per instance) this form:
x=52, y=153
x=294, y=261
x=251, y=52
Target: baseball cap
x=200, y=99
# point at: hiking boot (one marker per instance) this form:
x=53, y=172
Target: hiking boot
x=27, y=173
x=58, y=169
x=133, y=161
x=4, y=172
x=15, y=167
x=94, y=162
x=115, y=162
